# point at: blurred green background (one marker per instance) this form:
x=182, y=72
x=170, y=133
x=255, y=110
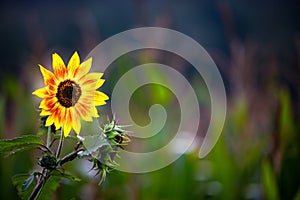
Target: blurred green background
x=256, y=46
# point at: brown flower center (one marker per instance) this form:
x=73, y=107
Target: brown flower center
x=68, y=93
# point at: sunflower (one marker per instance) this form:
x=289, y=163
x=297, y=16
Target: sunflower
x=70, y=93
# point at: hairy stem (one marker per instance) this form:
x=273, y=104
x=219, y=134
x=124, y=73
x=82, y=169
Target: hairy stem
x=61, y=140
x=70, y=156
x=48, y=137
x=39, y=186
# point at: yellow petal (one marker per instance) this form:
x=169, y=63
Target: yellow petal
x=90, y=80
x=67, y=129
x=84, y=68
x=60, y=113
x=43, y=104
x=95, y=112
x=50, y=120
x=73, y=65
x=100, y=98
x=76, y=123
x=59, y=67
x=41, y=92
x=49, y=77
x=48, y=103
x=45, y=113
x=84, y=111
x=100, y=83
x=52, y=89
x=68, y=123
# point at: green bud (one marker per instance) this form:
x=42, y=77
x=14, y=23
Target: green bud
x=48, y=161
x=115, y=134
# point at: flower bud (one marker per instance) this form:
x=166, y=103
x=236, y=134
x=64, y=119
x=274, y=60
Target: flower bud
x=48, y=161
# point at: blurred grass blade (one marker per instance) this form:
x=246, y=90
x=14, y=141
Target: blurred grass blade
x=297, y=197
x=269, y=181
x=286, y=122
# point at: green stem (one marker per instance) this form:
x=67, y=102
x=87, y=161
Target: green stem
x=49, y=136
x=61, y=140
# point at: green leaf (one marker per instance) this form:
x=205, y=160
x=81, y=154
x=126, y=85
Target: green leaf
x=50, y=187
x=18, y=181
x=27, y=182
x=99, y=148
x=93, y=142
x=106, y=156
x=269, y=181
x=20, y=149
x=11, y=146
x=64, y=175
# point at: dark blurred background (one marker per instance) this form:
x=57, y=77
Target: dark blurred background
x=256, y=46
